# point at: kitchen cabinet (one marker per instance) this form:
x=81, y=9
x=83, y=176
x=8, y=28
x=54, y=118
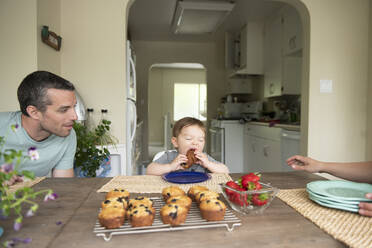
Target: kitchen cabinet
x=292, y=31
x=262, y=148
x=240, y=86
x=282, y=72
x=244, y=51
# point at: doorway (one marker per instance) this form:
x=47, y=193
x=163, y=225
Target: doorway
x=175, y=91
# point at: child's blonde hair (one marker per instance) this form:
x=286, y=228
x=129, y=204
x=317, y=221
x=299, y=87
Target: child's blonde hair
x=185, y=122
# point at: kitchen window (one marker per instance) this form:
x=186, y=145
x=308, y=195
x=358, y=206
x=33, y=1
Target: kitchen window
x=190, y=99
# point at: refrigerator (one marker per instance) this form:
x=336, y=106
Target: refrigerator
x=131, y=115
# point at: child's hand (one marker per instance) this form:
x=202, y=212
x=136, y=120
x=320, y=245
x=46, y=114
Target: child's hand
x=202, y=158
x=176, y=164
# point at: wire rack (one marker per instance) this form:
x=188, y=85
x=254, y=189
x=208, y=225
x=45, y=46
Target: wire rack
x=193, y=221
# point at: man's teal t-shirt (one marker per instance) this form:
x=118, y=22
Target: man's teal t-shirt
x=54, y=152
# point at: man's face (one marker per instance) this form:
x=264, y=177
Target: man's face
x=59, y=117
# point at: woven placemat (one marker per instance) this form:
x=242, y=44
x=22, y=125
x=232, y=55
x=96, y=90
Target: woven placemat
x=26, y=183
x=155, y=184
x=351, y=228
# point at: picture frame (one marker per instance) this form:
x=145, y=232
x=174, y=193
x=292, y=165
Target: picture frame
x=50, y=38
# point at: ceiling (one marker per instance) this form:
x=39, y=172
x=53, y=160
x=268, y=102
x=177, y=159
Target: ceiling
x=151, y=20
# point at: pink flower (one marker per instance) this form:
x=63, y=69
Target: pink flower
x=33, y=153
x=14, y=127
x=50, y=196
x=7, y=168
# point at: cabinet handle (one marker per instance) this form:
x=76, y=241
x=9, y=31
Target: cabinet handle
x=292, y=42
x=265, y=151
x=253, y=148
x=271, y=89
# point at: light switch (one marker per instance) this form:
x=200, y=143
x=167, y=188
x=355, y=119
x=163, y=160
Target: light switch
x=325, y=86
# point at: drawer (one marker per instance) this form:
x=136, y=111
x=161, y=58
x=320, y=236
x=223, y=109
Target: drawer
x=271, y=133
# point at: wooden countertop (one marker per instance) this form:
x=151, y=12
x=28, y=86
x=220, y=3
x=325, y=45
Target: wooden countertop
x=78, y=204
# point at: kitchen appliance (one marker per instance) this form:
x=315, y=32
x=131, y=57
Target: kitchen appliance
x=251, y=110
x=132, y=154
x=232, y=110
x=226, y=137
x=290, y=145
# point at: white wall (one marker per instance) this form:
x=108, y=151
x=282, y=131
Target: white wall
x=338, y=51
x=93, y=56
x=210, y=55
x=18, y=54
x=49, y=14
x=161, y=96
x=369, y=92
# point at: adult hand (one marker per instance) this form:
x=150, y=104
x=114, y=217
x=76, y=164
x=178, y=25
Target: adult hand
x=366, y=208
x=298, y=162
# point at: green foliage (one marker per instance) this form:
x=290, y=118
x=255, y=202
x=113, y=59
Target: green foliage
x=12, y=201
x=90, y=150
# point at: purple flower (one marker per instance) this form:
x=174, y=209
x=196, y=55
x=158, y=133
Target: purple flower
x=9, y=243
x=17, y=225
x=30, y=213
x=33, y=153
x=50, y=196
x=14, y=127
x=58, y=223
x=15, y=241
x=7, y=168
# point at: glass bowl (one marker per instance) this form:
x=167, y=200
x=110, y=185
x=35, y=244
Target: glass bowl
x=249, y=201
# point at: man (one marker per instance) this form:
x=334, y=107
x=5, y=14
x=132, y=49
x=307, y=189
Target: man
x=43, y=128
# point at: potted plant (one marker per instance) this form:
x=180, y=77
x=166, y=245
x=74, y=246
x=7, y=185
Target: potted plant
x=91, y=150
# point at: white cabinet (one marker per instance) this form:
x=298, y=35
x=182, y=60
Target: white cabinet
x=283, y=61
x=240, y=86
x=292, y=31
x=244, y=51
x=262, y=148
x=273, y=57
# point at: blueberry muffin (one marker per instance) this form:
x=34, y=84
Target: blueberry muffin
x=181, y=200
x=141, y=215
x=173, y=214
x=172, y=191
x=112, y=217
x=118, y=193
x=116, y=202
x=212, y=209
x=194, y=190
x=140, y=200
x=206, y=195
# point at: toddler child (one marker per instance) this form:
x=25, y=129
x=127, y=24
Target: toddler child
x=188, y=133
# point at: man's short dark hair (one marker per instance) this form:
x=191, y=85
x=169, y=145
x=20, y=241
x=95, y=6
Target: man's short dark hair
x=185, y=122
x=33, y=89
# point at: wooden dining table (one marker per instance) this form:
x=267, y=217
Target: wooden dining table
x=69, y=221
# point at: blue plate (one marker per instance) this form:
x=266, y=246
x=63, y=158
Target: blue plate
x=186, y=177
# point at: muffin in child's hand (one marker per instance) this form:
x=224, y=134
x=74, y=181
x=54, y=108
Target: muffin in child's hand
x=112, y=217
x=172, y=191
x=212, y=210
x=118, y=193
x=194, y=190
x=141, y=215
x=191, y=159
x=173, y=214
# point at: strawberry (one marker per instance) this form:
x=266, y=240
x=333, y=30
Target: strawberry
x=251, y=177
x=260, y=199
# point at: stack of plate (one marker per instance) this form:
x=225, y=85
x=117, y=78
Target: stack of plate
x=343, y=195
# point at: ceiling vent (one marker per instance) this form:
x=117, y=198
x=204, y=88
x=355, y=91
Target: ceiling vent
x=200, y=17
